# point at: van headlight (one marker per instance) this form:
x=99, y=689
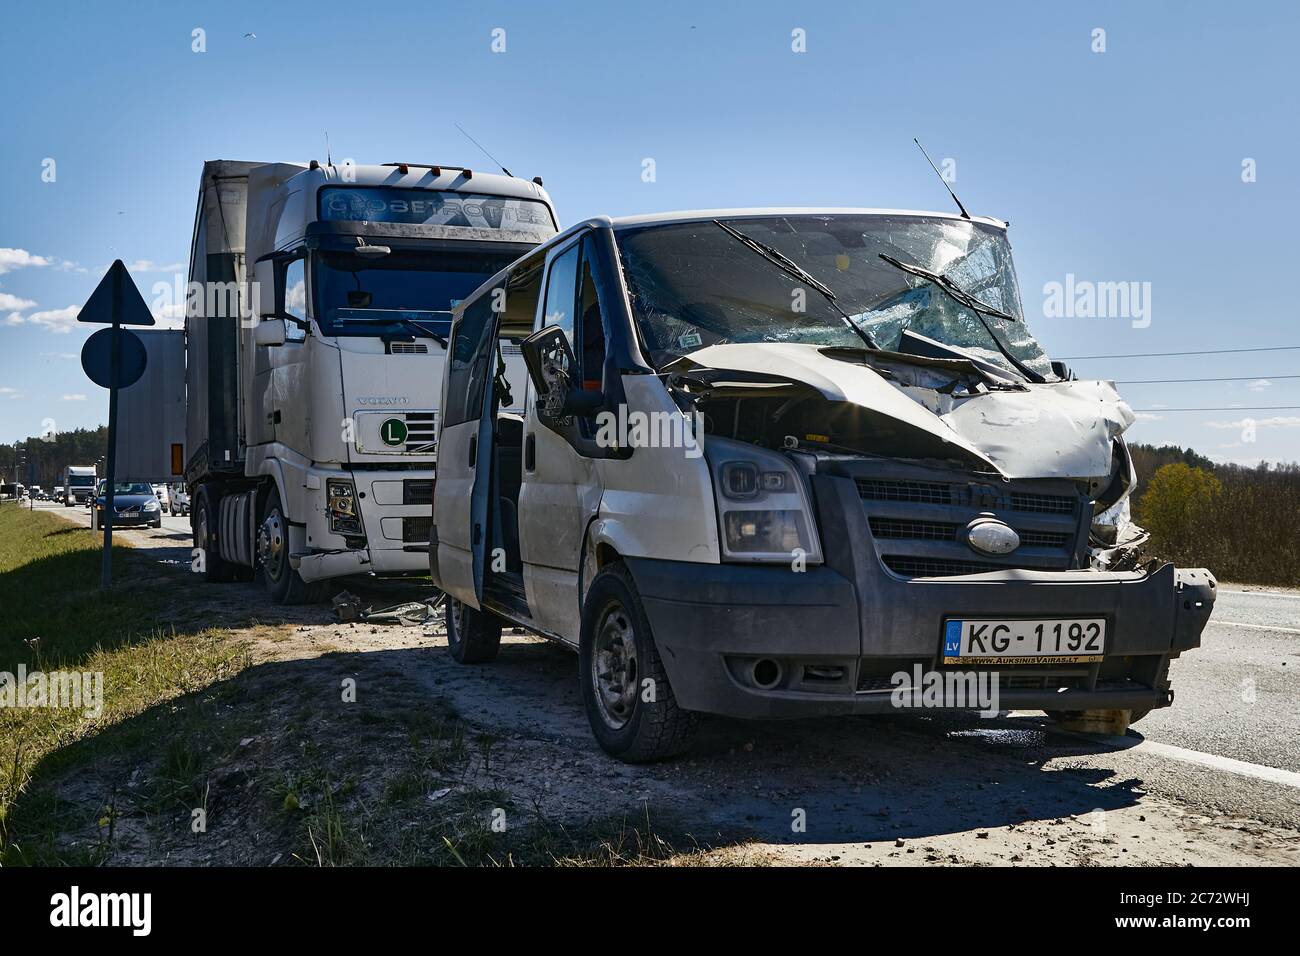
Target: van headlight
x=764, y=513
x=341, y=503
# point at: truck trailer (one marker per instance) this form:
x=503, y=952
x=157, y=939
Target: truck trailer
x=317, y=315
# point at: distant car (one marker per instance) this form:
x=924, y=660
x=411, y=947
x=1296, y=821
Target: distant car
x=179, y=504
x=134, y=504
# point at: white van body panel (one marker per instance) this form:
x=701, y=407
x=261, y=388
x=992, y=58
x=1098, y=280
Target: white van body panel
x=659, y=502
x=451, y=513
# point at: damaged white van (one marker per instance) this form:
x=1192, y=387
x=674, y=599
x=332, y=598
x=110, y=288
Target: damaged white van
x=772, y=459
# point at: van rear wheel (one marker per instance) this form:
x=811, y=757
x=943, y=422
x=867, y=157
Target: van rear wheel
x=473, y=637
x=629, y=702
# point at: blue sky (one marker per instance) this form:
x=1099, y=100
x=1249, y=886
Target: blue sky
x=1120, y=166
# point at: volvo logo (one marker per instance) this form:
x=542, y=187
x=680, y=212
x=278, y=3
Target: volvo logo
x=991, y=536
x=384, y=400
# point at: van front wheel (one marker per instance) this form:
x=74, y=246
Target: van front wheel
x=473, y=637
x=629, y=702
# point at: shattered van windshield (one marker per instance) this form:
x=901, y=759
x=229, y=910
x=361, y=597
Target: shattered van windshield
x=693, y=285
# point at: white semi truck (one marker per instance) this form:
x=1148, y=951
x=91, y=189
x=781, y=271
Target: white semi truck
x=317, y=317
x=78, y=484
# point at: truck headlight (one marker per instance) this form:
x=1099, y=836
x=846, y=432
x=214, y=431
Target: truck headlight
x=764, y=513
x=341, y=503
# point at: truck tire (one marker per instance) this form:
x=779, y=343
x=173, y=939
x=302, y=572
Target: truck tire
x=216, y=570
x=473, y=637
x=281, y=580
x=616, y=657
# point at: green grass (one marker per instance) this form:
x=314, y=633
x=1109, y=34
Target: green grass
x=281, y=768
x=56, y=618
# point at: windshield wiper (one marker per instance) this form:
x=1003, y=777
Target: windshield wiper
x=413, y=324
x=965, y=299
x=795, y=271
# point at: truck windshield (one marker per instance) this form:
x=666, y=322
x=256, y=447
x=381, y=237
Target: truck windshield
x=80, y=481
x=692, y=285
x=354, y=294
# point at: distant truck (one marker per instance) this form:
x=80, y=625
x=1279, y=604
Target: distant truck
x=317, y=317
x=78, y=484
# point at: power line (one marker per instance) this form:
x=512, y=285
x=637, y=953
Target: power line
x=1279, y=348
x=1172, y=381
x=1225, y=408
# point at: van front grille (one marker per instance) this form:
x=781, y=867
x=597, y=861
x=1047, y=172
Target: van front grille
x=918, y=516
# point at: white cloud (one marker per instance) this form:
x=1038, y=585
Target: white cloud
x=1258, y=385
x=1277, y=421
x=14, y=318
x=62, y=355
x=74, y=397
x=11, y=259
x=169, y=316
x=148, y=265
x=1148, y=417
x=7, y=392
x=13, y=303
x=56, y=320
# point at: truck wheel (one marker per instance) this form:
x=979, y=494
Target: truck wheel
x=216, y=570
x=473, y=637
x=283, y=583
x=630, y=704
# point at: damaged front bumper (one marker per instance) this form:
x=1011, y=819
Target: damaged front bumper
x=768, y=641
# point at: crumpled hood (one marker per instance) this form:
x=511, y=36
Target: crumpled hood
x=1053, y=430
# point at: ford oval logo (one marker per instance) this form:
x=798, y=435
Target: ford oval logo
x=991, y=536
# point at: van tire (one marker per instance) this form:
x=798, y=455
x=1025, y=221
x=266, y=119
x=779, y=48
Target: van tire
x=473, y=637
x=627, y=726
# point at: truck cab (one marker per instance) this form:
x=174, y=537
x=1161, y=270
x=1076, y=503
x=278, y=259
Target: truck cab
x=770, y=460
x=313, y=408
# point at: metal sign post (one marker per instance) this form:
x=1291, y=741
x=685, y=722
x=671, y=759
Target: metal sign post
x=113, y=358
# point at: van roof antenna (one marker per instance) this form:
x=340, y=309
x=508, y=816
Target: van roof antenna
x=328, y=161
x=964, y=213
x=482, y=150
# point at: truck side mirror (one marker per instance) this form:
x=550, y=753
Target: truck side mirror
x=270, y=333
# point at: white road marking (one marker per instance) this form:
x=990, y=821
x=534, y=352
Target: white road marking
x=1258, y=627
x=1271, y=774
x=1281, y=594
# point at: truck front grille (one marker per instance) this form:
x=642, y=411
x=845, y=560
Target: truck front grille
x=416, y=530
x=421, y=432
x=417, y=491
x=918, y=517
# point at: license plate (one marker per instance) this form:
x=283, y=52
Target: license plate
x=1054, y=641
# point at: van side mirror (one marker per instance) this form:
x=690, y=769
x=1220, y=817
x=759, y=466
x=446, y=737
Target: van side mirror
x=551, y=367
x=270, y=333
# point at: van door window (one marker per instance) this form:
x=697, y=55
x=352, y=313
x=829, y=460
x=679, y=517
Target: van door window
x=590, y=348
x=468, y=366
x=560, y=291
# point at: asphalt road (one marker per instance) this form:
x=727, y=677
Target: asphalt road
x=1230, y=743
